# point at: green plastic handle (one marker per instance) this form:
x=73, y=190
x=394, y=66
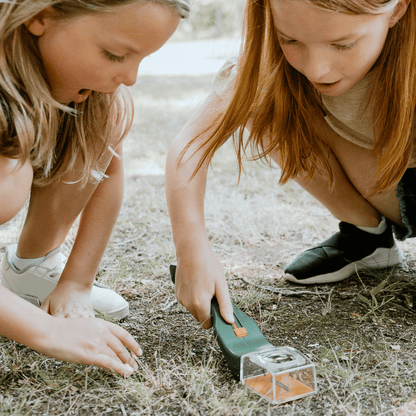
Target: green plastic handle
x=231, y=346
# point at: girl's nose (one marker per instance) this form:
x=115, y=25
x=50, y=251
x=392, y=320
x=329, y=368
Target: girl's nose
x=128, y=75
x=317, y=66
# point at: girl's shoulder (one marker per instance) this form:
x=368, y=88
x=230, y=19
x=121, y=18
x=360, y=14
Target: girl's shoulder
x=225, y=77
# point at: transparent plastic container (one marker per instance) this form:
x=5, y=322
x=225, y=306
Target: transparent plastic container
x=279, y=374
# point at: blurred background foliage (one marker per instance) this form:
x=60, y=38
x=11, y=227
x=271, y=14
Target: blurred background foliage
x=212, y=19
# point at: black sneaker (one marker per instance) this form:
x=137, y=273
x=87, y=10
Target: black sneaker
x=346, y=252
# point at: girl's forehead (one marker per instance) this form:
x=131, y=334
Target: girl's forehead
x=300, y=18
x=350, y=7
x=136, y=18
x=306, y=4
x=138, y=27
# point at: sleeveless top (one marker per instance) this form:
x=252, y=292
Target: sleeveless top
x=7, y=132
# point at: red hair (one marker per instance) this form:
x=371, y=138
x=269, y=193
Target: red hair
x=281, y=102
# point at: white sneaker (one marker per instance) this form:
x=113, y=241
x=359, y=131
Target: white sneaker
x=35, y=283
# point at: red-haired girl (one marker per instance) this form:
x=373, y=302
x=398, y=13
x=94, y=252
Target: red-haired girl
x=327, y=89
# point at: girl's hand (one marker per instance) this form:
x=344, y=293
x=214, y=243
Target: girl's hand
x=69, y=300
x=197, y=282
x=92, y=342
x=81, y=340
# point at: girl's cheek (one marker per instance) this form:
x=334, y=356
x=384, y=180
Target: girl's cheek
x=293, y=57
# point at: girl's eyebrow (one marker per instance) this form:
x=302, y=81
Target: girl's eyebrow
x=341, y=39
x=281, y=33
x=126, y=46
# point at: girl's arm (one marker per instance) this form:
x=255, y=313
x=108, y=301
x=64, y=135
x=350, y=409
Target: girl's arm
x=199, y=276
x=71, y=297
x=80, y=340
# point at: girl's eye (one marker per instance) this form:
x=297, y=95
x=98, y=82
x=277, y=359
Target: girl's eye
x=284, y=41
x=345, y=47
x=112, y=57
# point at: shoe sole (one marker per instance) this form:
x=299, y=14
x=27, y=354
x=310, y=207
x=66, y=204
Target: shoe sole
x=380, y=259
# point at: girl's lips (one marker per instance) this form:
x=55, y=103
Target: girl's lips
x=326, y=88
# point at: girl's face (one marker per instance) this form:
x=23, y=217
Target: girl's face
x=333, y=50
x=99, y=51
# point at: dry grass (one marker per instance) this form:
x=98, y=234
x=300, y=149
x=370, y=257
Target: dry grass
x=363, y=349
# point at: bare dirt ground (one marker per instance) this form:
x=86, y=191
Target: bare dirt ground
x=360, y=333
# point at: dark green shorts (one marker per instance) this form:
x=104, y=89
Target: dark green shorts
x=406, y=192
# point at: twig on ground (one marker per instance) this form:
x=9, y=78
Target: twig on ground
x=327, y=308
x=286, y=291
x=124, y=242
x=169, y=305
x=123, y=409
x=336, y=394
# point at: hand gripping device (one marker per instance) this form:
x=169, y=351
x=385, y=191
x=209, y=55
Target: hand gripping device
x=279, y=374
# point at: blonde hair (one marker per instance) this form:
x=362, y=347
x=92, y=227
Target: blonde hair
x=281, y=102
x=32, y=124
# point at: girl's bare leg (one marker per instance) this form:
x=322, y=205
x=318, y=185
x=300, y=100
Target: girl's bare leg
x=354, y=169
x=52, y=212
x=360, y=167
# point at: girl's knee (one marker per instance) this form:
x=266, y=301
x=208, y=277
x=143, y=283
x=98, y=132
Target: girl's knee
x=15, y=183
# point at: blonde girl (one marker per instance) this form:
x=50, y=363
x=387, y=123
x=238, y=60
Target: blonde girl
x=327, y=89
x=63, y=115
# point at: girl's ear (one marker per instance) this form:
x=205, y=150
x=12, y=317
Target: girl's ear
x=399, y=11
x=38, y=24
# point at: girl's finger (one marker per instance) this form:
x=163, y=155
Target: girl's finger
x=203, y=318
x=79, y=314
x=107, y=351
x=203, y=313
x=224, y=302
x=199, y=314
x=125, y=338
x=45, y=307
x=121, y=352
x=206, y=323
x=56, y=312
x=104, y=361
x=192, y=311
